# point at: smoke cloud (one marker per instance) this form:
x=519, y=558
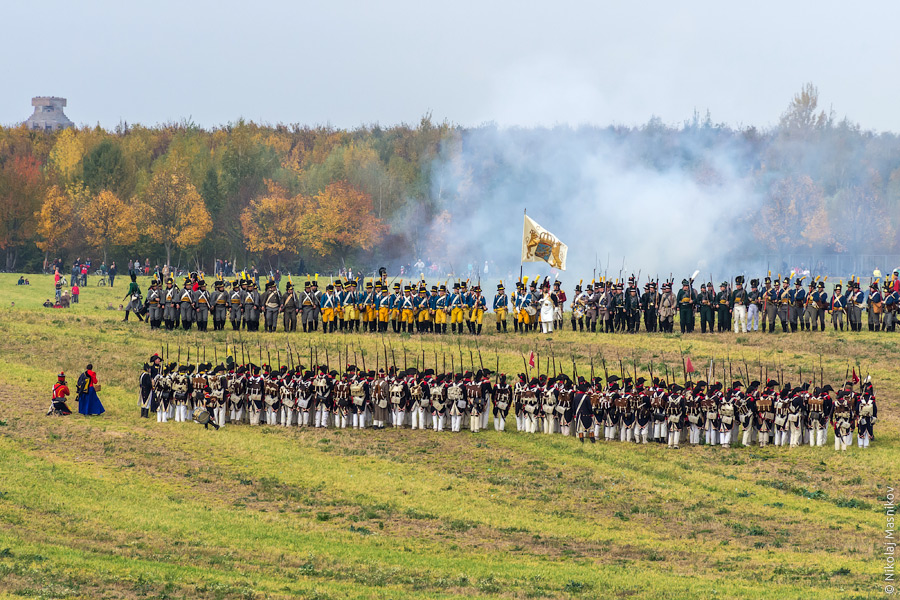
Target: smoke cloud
x=666, y=200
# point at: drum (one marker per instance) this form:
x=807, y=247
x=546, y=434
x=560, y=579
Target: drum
x=201, y=415
x=530, y=311
x=578, y=312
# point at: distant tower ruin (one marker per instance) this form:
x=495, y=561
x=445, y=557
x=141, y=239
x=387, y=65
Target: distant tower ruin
x=48, y=114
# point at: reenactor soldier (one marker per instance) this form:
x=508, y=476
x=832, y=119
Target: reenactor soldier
x=866, y=412
x=560, y=302
x=727, y=414
x=187, y=305
x=649, y=304
x=422, y=309
x=632, y=310
x=809, y=308
x=171, y=306
x=686, y=301
x=479, y=305
x=836, y=307
x=395, y=306
x=290, y=304
x=821, y=302
x=891, y=306
x=578, y=306
x=618, y=307
x=723, y=307
x=271, y=302
x=200, y=305
x=468, y=305
x=770, y=303
x=875, y=306
x=317, y=303
x=668, y=304
x=502, y=401
x=438, y=394
x=842, y=419
x=365, y=302
x=784, y=303
x=515, y=301
x=798, y=306
x=162, y=390
x=500, y=306
x=407, y=310
x=220, y=303
x=351, y=307
x=440, y=304
x=236, y=301
x=739, y=301
x=855, y=305
x=597, y=307
x=755, y=306
x=527, y=311
x=328, y=304
x=457, y=306
x=707, y=299
x=339, y=295
x=154, y=305
x=383, y=305
x=819, y=407
x=252, y=306
x=674, y=415
x=307, y=307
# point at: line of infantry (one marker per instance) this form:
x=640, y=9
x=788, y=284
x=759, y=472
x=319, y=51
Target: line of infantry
x=604, y=306
x=624, y=409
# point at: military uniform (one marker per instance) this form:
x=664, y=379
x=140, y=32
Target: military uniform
x=200, y=304
x=668, y=304
x=836, y=307
x=875, y=306
x=236, y=304
x=686, y=301
x=723, y=307
x=707, y=300
x=220, y=305
x=441, y=306
x=649, y=304
x=252, y=306
x=755, y=306
x=290, y=304
x=809, y=308
x=187, y=304
x=739, y=302
x=500, y=306
x=155, y=305
x=271, y=303
x=798, y=301
x=170, y=304
x=307, y=307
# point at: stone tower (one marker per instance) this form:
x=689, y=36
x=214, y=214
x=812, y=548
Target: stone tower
x=48, y=114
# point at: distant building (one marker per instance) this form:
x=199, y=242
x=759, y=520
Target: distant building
x=48, y=114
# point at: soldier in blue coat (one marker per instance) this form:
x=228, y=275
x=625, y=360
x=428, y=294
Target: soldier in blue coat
x=875, y=306
x=500, y=307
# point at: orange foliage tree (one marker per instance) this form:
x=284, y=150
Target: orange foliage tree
x=54, y=221
x=108, y=221
x=272, y=223
x=342, y=218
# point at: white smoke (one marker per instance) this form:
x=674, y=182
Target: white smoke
x=666, y=200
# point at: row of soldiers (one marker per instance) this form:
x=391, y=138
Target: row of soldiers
x=624, y=409
x=380, y=307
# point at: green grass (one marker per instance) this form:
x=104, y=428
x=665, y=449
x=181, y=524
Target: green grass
x=118, y=507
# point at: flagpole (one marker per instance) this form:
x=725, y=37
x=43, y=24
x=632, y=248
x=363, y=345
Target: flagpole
x=521, y=264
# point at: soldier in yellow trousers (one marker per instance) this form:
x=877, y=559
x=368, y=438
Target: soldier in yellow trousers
x=329, y=302
x=457, y=305
x=501, y=306
x=479, y=305
x=440, y=303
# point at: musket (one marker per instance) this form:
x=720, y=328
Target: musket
x=215, y=355
x=592, y=369
x=167, y=352
x=452, y=365
x=394, y=358
x=179, y=353
x=404, y=360
x=480, y=361
x=525, y=362
x=327, y=361
x=278, y=356
x=363, y=354
x=269, y=358
x=605, y=372
x=574, y=368
x=472, y=358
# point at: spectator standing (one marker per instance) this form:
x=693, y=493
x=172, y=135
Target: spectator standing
x=75, y=291
x=112, y=273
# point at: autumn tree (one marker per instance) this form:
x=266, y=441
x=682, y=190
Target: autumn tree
x=67, y=153
x=173, y=213
x=272, y=224
x=54, y=221
x=342, y=219
x=794, y=216
x=21, y=194
x=108, y=221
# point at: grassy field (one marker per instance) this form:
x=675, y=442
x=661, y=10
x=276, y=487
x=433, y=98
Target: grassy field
x=119, y=507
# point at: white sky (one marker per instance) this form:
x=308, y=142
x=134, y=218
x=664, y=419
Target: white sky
x=515, y=63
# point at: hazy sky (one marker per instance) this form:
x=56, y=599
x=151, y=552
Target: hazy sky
x=515, y=63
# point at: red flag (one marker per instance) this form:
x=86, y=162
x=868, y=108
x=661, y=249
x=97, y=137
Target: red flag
x=531, y=359
x=855, y=377
x=690, y=365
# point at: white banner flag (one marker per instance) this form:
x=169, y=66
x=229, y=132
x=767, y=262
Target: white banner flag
x=538, y=245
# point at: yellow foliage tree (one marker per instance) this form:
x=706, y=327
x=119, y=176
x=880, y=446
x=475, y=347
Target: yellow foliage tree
x=342, y=218
x=107, y=221
x=272, y=222
x=67, y=153
x=173, y=211
x=54, y=221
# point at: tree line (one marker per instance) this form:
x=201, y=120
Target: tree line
x=291, y=196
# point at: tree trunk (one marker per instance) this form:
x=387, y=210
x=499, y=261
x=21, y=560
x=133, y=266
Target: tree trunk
x=169, y=254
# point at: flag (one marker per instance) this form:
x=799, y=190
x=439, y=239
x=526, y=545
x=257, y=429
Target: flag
x=538, y=245
x=855, y=376
x=689, y=365
x=531, y=359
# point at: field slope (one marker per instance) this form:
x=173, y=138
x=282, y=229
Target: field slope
x=119, y=507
